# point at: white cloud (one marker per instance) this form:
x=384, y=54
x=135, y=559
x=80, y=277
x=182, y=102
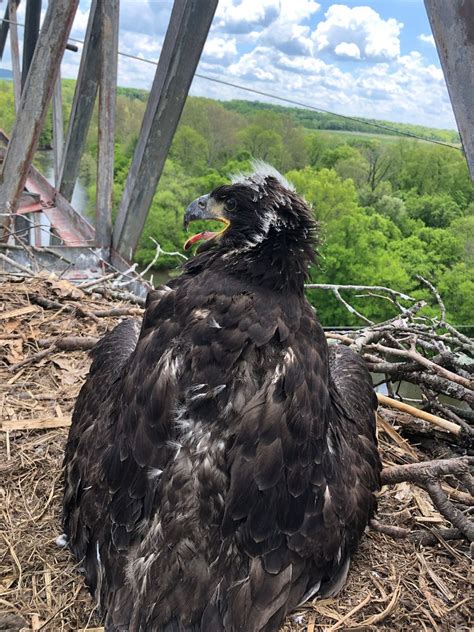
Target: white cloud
x=298, y=10
x=377, y=39
x=427, y=39
x=404, y=89
x=290, y=38
x=287, y=33
x=346, y=49
x=220, y=49
x=245, y=16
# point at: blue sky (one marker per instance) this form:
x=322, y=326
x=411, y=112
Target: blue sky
x=375, y=58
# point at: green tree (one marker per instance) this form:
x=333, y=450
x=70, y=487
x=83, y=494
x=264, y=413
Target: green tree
x=437, y=211
x=190, y=149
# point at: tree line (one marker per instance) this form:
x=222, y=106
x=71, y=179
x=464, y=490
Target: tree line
x=389, y=209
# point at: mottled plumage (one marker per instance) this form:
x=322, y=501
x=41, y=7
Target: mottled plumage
x=222, y=459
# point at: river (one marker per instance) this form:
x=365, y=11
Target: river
x=44, y=162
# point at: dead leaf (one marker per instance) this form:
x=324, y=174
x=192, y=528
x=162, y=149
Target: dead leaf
x=64, y=364
x=11, y=326
x=15, y=353
x=65, y=289
x=404, y=492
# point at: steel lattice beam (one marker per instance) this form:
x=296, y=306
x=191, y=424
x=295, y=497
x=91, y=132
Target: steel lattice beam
x=185, y=38
x=107, y=99
x=35, y=99
x=452, y=23
x=83, y=103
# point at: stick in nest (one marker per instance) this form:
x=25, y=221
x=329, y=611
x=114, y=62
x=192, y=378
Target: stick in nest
x=426, y=475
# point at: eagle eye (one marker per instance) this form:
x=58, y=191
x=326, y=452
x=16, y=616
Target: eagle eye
x=230, y=204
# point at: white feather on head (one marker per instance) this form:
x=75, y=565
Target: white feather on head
x=260, y=172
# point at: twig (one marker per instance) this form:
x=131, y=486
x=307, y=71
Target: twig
x=160, y=251
x=425, y=475
x=377, y=288
x=16, y=265
x=449, y=511
x=94, y=314
x=347, y=616
x=421, y=414
x=418, y=536
x=415, y=472
x=69, y=343
x=436, y=294
x=351, y=309
x=428, y=364
x=122, y=295
x=446, y=412
x=89, y=284
x=31, y=359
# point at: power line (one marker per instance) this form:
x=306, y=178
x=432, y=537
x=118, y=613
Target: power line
x=307, y=106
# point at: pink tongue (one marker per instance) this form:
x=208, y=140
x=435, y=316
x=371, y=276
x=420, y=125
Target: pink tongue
x=207, y=234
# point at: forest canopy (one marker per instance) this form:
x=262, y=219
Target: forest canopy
x=390, y=208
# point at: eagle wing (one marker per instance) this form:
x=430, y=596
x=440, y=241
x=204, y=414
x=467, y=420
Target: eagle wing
x=303, y=468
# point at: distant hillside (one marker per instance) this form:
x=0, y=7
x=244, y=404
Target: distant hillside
x=308, y=119
x=321, y=121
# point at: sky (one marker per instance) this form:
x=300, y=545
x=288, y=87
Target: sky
x=372, y=59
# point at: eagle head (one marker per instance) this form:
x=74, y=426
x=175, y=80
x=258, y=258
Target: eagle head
x=266, y=224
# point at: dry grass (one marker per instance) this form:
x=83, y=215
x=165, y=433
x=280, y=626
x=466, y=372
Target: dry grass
x=393, y=585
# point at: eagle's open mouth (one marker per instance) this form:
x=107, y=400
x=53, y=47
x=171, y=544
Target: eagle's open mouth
x=207, y=234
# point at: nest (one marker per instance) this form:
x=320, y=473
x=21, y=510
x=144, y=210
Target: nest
x=45, y=326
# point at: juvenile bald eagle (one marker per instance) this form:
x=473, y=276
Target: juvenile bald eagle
x=221, y=462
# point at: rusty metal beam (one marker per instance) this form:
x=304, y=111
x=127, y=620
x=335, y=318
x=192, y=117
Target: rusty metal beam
x=185, y=38
x=83, y=104
x=35, y=100
x=452, y=24
x=107, y=102
x=30, y=37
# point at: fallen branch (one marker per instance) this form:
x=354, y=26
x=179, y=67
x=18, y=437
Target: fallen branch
x=449, y=426
x=36, y=357
x=94, y=314
x=48, y=304
x=428, y=364
x=19, y=266
x=69, y=343
x=376, y=288
x=426, y=475
x=418, y=536
x=122, y=295
x=448, y=510
x=427, y=470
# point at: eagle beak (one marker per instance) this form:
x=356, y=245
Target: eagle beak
x=199, y=209
x=204, y=207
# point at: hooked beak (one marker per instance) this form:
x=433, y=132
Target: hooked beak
x=203, y=208
x=197, y=210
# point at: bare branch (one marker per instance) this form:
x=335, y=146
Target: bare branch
x=426, y=470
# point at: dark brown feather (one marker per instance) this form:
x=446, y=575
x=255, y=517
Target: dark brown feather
x=221, y=462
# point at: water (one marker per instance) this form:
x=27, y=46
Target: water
x=44, y=162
